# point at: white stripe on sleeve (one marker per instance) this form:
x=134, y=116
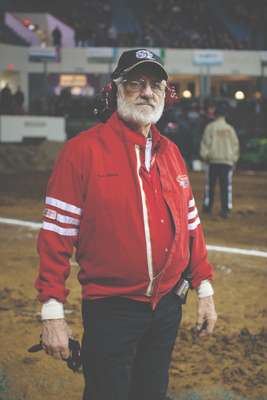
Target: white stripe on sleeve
x=64, y=219
x=58, y=229
x=193, y=218
x=62, y=205
x=192, y=214
x=194, y=224
x=191, y=203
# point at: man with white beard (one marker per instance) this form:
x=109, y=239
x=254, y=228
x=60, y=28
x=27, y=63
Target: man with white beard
x=120, y=194
x=140, y=98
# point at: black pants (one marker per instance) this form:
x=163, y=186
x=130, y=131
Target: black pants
x=224, y=173
x=127, y=347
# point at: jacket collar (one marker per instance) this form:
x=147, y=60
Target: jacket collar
x=117, y=124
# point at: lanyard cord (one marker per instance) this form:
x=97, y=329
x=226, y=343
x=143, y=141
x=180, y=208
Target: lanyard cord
x=148, y=151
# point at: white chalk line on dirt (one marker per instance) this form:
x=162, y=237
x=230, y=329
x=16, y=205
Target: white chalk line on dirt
x=18, y=222
x=233, y=250
x=223, y=249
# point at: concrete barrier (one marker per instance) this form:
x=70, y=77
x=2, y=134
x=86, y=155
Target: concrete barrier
x=17, y=128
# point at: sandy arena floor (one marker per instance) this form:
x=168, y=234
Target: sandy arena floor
x=230, y=365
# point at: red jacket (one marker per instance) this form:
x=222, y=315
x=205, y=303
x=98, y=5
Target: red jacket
x=96, y=202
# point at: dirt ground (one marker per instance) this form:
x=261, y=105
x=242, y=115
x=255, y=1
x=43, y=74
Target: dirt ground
x=231, y=365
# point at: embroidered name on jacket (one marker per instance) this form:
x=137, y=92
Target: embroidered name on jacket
x=107, y=175
x=183, y=181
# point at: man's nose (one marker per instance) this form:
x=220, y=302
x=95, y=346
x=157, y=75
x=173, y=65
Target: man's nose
x=146, y=90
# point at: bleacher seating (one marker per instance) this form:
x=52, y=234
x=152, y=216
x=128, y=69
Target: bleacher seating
x=160, y=23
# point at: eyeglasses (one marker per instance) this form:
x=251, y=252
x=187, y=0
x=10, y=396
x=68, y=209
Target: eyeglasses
x=157, y=87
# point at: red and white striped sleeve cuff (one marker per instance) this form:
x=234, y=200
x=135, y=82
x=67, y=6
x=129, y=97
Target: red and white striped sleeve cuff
x=193, y=218
x=61, y=217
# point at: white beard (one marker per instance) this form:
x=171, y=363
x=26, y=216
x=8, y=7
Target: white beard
x=140, y=115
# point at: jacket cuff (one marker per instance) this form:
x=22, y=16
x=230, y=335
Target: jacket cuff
x=52, y=309
x=205, y=289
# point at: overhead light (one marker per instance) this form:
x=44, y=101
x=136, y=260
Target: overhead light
x=239, y=95
x=31, y=27
x=70, y=80
x=187, y=94
x=76, y=91
x=2, y=84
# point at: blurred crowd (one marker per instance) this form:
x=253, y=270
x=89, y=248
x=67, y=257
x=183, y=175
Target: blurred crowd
x=180, y=24
x=64, y=104
x=184, y=123
x=92, y=23
x=172, y=24
x=11, y=102
x=251, y=16
x=218, y=24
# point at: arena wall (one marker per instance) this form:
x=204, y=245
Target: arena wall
x=14, y=60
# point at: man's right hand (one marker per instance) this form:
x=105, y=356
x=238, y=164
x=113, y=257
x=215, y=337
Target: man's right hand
x=55, y=338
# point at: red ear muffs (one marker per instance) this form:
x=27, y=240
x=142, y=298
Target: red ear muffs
x=171, y=97
x=106, y=102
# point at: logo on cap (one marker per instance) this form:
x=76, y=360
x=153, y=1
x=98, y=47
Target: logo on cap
x=144, y=54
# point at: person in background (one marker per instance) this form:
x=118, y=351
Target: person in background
x=57, y=37
x=18, y=101
x=120, y=195
x=6, y=100
x=219, y=148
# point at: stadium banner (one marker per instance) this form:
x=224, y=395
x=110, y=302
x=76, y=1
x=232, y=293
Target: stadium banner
x=208, y=57
x=16, y=128
x=43, y=54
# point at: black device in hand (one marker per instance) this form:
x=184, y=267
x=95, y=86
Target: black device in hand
x=73, y=362
x=181, y=289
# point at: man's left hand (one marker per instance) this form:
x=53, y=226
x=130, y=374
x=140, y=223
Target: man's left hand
x=206, y=316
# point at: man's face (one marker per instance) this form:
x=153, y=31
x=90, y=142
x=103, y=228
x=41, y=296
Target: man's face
x=141, y=97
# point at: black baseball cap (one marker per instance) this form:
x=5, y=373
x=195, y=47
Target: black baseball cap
x=132, y=58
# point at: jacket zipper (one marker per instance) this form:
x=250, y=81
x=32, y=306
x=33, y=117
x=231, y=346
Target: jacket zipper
x=149, y=290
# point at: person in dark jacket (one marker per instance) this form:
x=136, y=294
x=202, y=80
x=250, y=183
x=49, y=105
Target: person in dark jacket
x=6, y=100
x=18, y=100
x=57, y=37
